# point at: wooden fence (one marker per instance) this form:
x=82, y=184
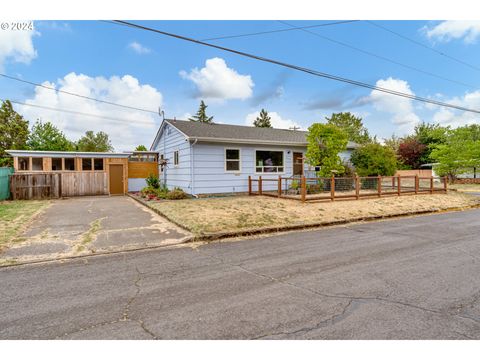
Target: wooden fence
x=51, y=185
x=317, y=189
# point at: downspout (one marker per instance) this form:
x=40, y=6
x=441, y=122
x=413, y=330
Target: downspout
x=192, y=177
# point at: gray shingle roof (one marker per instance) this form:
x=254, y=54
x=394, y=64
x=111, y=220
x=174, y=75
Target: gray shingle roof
x=212, y=132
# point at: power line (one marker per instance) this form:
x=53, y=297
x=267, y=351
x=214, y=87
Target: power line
x=75, y=112
x=279, y=30
x=77, y=95
x=381, y=57
x=299, y=68
x=422, y=45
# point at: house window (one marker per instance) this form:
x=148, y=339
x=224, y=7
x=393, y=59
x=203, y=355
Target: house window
x=175, y=158
x=69, y=164
x=86, y=164
x=98, y=164
x=57, y=164
x=23, y=163
x=268, y=161
x=232, y=159
x=37, y=164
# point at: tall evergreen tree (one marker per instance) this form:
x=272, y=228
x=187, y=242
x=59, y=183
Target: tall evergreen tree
x=13, y=132
x=263, y=120
x=201, y=115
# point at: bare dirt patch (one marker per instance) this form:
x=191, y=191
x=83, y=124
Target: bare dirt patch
x=474, y=188
x=207, y=216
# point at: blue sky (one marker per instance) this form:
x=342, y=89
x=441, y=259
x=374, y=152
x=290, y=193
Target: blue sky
x=138, y=68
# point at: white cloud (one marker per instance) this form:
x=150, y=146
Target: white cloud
x=402, y=111
x=456, y=118
x=452, y=29
x=139, y=48
x=217, y=81
x=276, y=120
x=133, y=128
x=17, y=46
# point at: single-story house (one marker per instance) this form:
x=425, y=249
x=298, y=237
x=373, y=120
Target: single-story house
x=206, y=158
x=87, y=173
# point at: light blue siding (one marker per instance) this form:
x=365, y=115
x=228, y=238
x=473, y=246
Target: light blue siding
x=209, y=167
x=172, y=140
x=136, y=184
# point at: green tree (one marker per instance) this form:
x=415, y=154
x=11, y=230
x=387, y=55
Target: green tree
x=352, y=125
x=13, y=132
x=141, y=148
x=325, y=142
x=201, y=115
x=374, y=159
x=92, y=142
x=263, y=120
x=430, y=135
x=460, y=152
x=47, y=137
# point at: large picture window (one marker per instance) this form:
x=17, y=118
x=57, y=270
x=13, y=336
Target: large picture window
x=232, y=159
x=268, y=161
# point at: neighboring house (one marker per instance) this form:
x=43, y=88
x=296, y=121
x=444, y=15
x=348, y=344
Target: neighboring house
x=217, y=158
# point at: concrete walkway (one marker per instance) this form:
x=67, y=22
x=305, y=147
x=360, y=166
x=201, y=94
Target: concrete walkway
x=86, y=225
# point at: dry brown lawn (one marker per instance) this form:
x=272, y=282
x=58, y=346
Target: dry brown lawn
x=204, y=216
x=16, y=215
x=465, y=187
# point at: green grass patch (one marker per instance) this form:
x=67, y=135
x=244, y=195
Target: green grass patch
x=16, y=215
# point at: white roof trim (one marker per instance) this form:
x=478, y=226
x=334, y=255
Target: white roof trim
x=57, y=154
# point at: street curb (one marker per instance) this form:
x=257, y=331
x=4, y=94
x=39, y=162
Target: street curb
x=102, y=253
x=280, y=229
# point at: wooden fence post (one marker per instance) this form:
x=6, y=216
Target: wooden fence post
x=279, y=186
x=431, y=185
x=445, y=184
x=249, y=185
x=259, y=185
x=357, y=187
x=332, y=188
x=416, y=184
x=303, y=188
x=379, y=186
x=399, y=186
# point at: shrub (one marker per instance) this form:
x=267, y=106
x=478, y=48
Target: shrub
x=294, y=185
x=176, y=194
x=148, y=190
x=152, y=181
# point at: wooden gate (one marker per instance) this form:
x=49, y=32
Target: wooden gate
x=35, y=186
x=51, y=185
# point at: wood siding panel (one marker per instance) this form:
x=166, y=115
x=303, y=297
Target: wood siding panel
x=141, y=170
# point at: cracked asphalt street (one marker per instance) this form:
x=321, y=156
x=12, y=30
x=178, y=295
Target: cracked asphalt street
x=413, y=278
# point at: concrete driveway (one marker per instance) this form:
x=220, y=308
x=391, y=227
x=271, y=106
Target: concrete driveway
x=414, y=278
x=86, y=225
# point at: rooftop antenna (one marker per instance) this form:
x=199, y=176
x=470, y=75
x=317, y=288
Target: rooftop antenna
x=294, y=128
x=161, y=113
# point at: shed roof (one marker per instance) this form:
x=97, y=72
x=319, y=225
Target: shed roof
x=57, y=154
x=238, y=133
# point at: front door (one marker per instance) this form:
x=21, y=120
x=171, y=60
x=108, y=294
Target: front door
x=297, y=164
x=116, y=179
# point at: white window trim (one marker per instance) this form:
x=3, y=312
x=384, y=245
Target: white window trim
x=239, y=160
x=268, y=173
x=175, y=164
